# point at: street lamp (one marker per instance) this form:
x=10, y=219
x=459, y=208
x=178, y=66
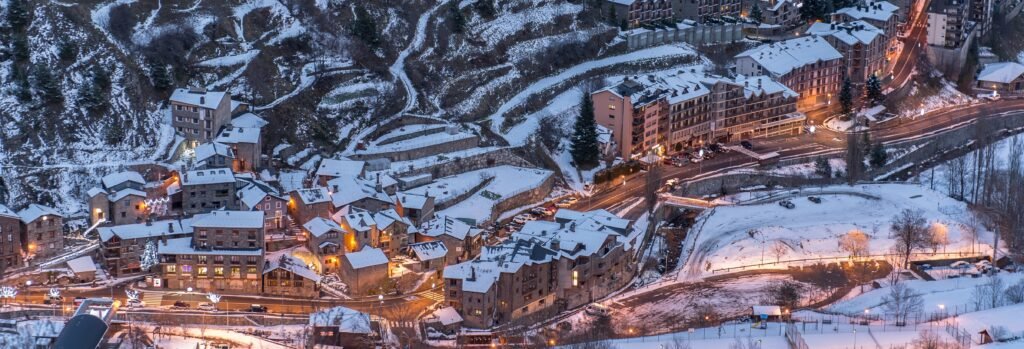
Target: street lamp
x=189, y=290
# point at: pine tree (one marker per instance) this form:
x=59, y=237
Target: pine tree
x=822, y=167
x=612, y=16
x=624, y=25
x=94, y=95
x=815, y=10
x=455, y=18
x=149, y=258
x=18, y=15
x=19, y=46
x=846, y=97
x=878, y=156
x=584, y=140
x=873, y=90
x=115, y=132
x=755, y=13
x=47, y=86
x=67, y=51
x=161, y=78
x=364, y=27
x=485, y=8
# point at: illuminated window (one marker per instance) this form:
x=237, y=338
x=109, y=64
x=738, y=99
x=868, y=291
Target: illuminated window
x=575, y=278
x=218, y=271
x=172, y=268
x=203, y=271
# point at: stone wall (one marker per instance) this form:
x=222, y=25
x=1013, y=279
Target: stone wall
x=733, y=183
x=501, y=156
x=399, y=122
x=430, y=150
x=950, y=61
x=412, y=135
x=697, y=34
x=524, y=198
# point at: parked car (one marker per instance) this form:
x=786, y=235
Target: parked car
x=678, y=162
x=926, y=266
x=787, y=204
x=522, y=218
x=437, y=335
x=747, y=145
x=256, y=308
x=960, y=265
x=814, y=199
x=53, y=300
x=696, y=159
x=716, y=148
x=595, y=309
x=180, y=305
x=207, y=306
x=135, y=303
x=540, y=211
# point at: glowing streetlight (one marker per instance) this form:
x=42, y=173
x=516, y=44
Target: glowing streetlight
x=189, y=290
x=942, y=307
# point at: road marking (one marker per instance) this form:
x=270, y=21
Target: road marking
x=433, y=295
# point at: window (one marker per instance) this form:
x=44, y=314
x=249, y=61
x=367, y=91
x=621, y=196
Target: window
x=252, y=259
x=203, y=271
x=171, y=268
x=250, y=270
x=235, y=260
x=575, y=278
x=218, y=271
x=218, y=259
x=202, y=259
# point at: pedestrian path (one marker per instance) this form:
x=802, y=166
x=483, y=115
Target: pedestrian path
x=152, y=299
x=433, y=295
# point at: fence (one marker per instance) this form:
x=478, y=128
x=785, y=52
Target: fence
x=795, y=339
x=804, y=261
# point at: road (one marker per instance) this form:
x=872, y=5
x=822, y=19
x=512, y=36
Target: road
x=821, y=142
x=914, y=44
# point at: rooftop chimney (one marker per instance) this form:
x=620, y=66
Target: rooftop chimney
x=170, y=227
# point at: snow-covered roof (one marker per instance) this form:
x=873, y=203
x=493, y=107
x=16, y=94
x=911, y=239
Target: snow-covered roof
x=385, y=218
x=282, y=260
x=34, y=211
x=313, y=195
x=208, y=150
x=480, y=274
x=367, y=257
x=121, y=194
x=143, y=230
x=412, y=200
x=319, y=226
x=623, y=2
x=92, y=192
x=185, y=96
x=447, y=316
x=872, y=10
x=601, y=216
x=229, y=219
x=235, y=135
x=347, y=320
x=769, y=310
x=184, y=246
x=348, y=189
x=114, y=179
x=340, y=168
x=249, y=120
x=7, y=212
x=683, y=85
x=782, y=57
x=1003, y=72
x=445, y=225
x=210, y=176
x=253, y=193
x=849, y=33
x=82, y=264
x=359, y=220
x=429, y=250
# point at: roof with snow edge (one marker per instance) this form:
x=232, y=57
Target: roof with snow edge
x=229, y=219
x=211, y=101
x=429, y=250
x=340, y=168
x=873, y=10
x=208, y=150
x=184, y=246
x=480, y=274
x=352, y=189
x=282, y=260
x=447, y=316
x=252, y=194
x=446, y=225
x=347, y=320
x=143, y=230
x=849, y=33
x=319, y=226
x=121, y=194
x=412, y=200
x=210, y=176
x=235, y=135
x=7, y=212
x=35, y=211
x=313, y=195
x=782, y=57
x=1003, y=72
x=249, y=120
x=114, y=179
x=360, y=220
x=82, y=264
x=367, y=257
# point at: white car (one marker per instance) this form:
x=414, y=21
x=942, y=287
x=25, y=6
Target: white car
x=523, y=218
x=960, y=265
x=596, y=309
x=207, y=307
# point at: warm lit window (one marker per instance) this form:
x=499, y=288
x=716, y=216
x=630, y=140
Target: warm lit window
x=172, y=268
x=203, y=271
x=218, y=271
x=575, y=278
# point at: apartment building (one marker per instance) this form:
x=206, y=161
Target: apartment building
x=808, y=65
x=208, y=190
x=635, y=13
x=199, y=114
x=981, y=12
x=122, y=246
x=712, y=9
x=862, y=45
x=255, y=195
x=10, y=238
x=224, y=254
x=120, y=199
x=42, y=230
x=285, y=275
x=780, y=13
x=688, y=108
x=883, y=15
x=545, y=268
x=462, y=240
x=948, y=23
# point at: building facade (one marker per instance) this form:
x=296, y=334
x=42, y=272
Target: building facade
x=42, y=231
x=635, y=13
x=199, y=114
x=10, y=238
x=808, y=65
x=122, y=246
x=208, y=190
x=862, y=45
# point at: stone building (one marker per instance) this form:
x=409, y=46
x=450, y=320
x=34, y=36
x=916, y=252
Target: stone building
x=199, y=114
x=462, y=241
x=808, y=65
x=635, y=13
x=324, y=240
x=42, y=230
x=418, y=208
x=122, y=246
x=208, y=190
x=285, y=275
x=10, y=238
x=309, y=203
x=245, y=146
x=120, y=199
x=365, y=271
x=257, y=195
x=224, y=254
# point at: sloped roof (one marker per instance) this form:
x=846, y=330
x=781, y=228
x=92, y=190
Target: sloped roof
x=210, y=176
x=7, y=212
x=340, y=168
x=114, y=179
x=849, y=33
x=319, y=226
x=293, y=265
x=82, y=264
x=313, y=195
x=782, y=57
x=429, y=250
x=446, y=225
x=208, y=150
x=234, y=135
x=367, y=257
x=229, y=219
x=34, y=211
x=212, y=100
x=249, y=120
x=1004, y=72
x=348, y=320
x=143, y=230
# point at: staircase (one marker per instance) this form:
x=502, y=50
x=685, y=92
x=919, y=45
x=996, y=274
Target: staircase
x=433, y=295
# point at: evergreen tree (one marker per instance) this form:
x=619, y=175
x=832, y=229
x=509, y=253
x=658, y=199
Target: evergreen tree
x=115, y=131
x=47, y=86
x=485, y=8
x=160, y=76
x=846, y=97
x=624, y=25
x=873, y=90
x=755, y=13
x=364, y=27
x=23, y=92
x=612, y=16
x=94, y=94
x=18, y=15
x=865, y=143
x=19, y=46
x=822, y=167
x=455, y=18
x=878, y=156
x=815, y=10
x=67, y=51
x=584, y=150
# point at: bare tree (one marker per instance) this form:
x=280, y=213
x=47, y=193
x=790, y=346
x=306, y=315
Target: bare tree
x=779, y=250
x=786, y=293
x=938, y=236
x=929, y=339
x=956, y=174
x=1015, y=293
x=901, y=302
x=856, y=243
x=910, y=230
x=989, y=295
x=652, y=185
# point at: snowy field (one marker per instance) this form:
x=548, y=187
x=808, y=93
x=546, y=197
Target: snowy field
x=955, y=295
x=735, y=236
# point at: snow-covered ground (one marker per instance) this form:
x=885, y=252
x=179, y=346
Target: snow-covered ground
x=735, y=236
x=508, y=181
x=798, y=170
x=955, y=295
x=948, y=96
x=940, y=176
